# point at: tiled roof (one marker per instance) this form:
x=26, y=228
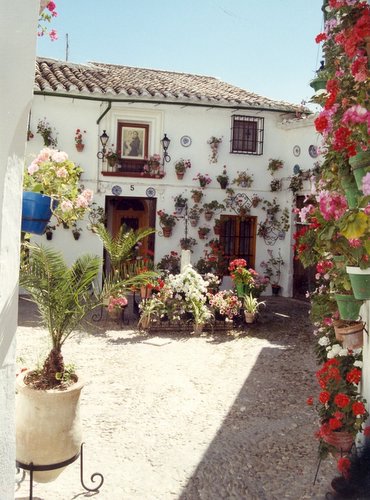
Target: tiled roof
x=125, y=82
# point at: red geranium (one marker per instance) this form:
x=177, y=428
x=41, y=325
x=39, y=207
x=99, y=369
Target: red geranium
x=343, y=466
x=358, y=408
x=354, y=376
x=334, y=424
x=342, y=400
x=324, y=397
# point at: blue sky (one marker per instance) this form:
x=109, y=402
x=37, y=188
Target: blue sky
x=265, y=46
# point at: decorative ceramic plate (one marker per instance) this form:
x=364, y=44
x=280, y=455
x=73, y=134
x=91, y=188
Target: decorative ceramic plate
x=312, y=151
x=116, y=190
x=150, y=192
x=296, y=169
x=296, y=150
x=185, y=141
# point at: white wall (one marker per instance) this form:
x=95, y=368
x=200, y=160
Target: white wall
x=200, y=123
x=18, y=24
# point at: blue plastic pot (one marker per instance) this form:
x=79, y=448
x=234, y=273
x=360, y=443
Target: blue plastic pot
x=36, y=212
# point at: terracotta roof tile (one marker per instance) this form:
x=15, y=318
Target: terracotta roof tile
x=110, y=80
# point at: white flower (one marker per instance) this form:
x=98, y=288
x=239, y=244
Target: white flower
x=343, y=352
x=62, y=172
x=323, y=341
x=59, y=156
x=359, y=364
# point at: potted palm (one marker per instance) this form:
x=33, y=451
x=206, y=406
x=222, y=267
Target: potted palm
x=63, y=295
x=251, y=306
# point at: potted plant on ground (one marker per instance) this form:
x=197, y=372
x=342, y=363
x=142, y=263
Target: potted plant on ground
x=272, y=268
x=167, y=222
x=225, y=305
x=181, y=166
x=243, y=179
x=51, y=186
x=223, y=179
x=251, y=306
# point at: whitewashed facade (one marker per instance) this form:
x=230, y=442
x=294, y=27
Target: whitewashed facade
x=68, y=111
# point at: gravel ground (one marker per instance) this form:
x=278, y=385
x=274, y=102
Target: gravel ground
x=210, y=417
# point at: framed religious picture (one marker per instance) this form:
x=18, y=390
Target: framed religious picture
x=132, y=140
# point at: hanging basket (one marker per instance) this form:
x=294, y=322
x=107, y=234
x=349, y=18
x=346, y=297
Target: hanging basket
x=360, y=282
x=360, y=166
x=348, y=306
x=36, y=212
x=350, y=333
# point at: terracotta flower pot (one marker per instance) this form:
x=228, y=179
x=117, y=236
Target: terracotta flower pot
x=80, y=147
x=197, y=197
x=208, y=215
x=180, y=175
x=350, y=333
x=167, y=231
x=342, y=441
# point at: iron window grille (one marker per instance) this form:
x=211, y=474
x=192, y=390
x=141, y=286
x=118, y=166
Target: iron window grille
x=247, y=135
x=238, y=238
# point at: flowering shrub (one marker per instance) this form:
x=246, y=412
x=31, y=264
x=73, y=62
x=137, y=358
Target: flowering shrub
x=252, y=281
x=180, y=295
x=45, y=17
x=225, y=303
x=47, y=133
x=170, y=263
x=53, y=174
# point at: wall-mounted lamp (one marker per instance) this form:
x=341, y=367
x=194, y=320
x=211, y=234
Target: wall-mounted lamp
x=165, y=144
x=104, y=138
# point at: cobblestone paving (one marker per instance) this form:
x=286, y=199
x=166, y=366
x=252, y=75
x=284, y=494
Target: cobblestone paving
x=211, y=418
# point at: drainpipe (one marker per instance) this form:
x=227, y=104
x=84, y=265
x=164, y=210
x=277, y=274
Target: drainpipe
x=97, y=122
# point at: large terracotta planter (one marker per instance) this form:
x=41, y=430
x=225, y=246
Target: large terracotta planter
x=360, y=282
x=48, y=427
x=350, y=333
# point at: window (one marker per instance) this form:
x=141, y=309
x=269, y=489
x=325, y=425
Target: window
x=238, y=238
x=247, y=135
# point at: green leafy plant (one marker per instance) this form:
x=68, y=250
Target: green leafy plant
x=48, y=133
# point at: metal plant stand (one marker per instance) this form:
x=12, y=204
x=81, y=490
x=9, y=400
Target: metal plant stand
x=31, y=468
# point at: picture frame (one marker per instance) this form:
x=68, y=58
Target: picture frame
x=132, y=140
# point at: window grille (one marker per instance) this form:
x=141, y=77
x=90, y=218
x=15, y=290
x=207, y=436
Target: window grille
x=238, y=238
x=247, y=135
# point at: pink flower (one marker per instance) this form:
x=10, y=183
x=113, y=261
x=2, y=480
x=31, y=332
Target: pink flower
x=44, y=155
x=87, y=194
x=33, y=168
x=53, y=35
x=366, y=184
x=66, y=205
x=62, y=172
x=356, y=114
x=354, y=243
x=81, y=202
x=59, y=156
x=332, y=204
x=51, y=6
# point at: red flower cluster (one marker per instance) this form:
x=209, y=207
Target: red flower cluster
x=354, y=376
x=329, y=372
x=237, y=263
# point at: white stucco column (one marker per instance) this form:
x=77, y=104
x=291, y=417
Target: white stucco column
x=185, y=259
x=18, y=28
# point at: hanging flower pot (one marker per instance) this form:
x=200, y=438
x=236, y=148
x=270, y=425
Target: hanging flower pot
x=348, y=306
x=179, y=209
x=80, y=147
x=350, y=333
x=350, y=190
x=193, y=222
x=208, y=215
x=360, y=282
x=197, y=196
x=217, y=229
x=180, y=175
x=167, y=231
x=36, y=212
x=360, y=165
